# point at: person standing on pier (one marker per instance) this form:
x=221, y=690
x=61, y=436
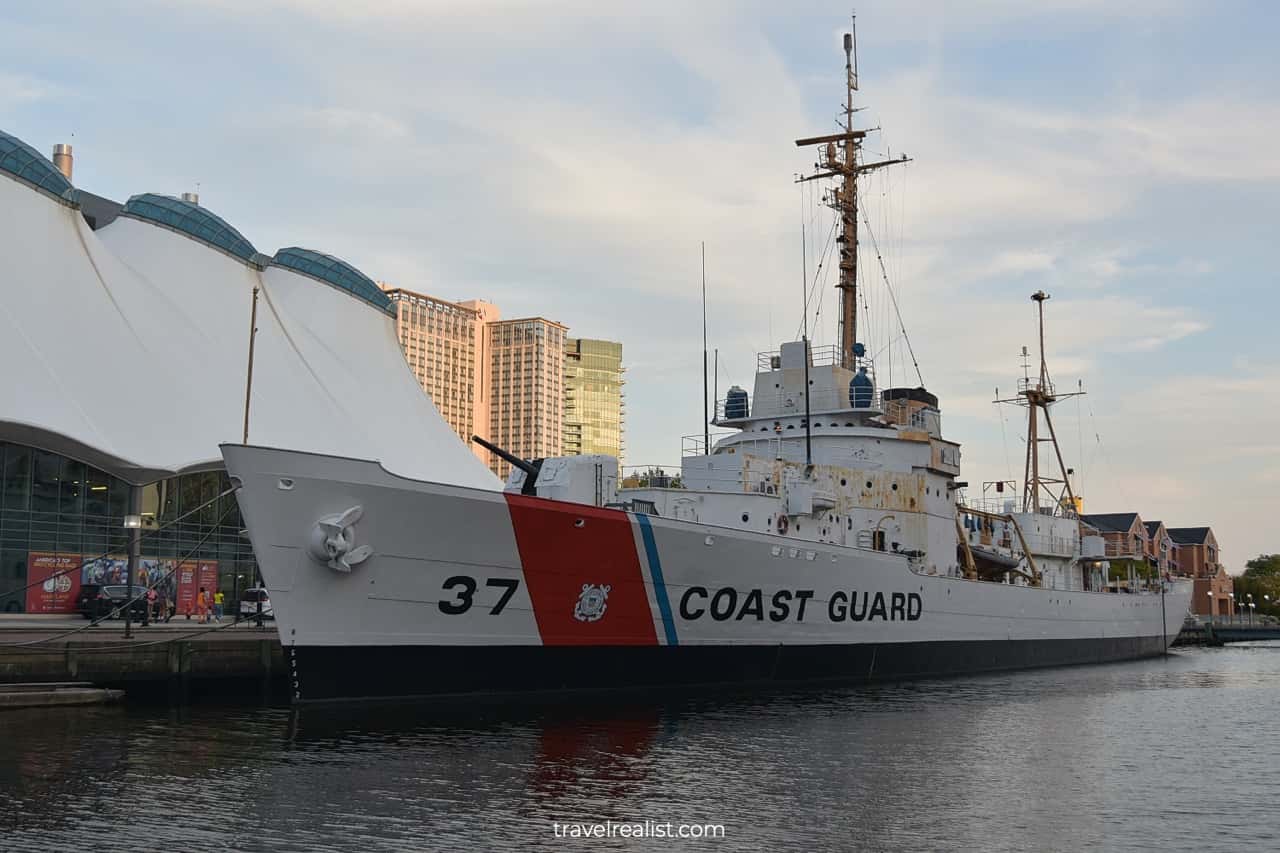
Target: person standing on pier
x=202, y=606
x=218, y=599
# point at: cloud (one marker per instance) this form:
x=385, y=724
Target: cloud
x=346, y=122
x=17, y=89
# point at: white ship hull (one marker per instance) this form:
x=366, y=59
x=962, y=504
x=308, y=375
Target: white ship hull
x=467, y=590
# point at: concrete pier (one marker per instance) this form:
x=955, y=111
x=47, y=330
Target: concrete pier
x=177, y=655
x=52, y=694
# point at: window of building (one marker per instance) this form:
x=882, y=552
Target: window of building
x=46, y=470
x=17, y=477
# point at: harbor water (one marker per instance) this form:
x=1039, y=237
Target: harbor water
x=1177, y=753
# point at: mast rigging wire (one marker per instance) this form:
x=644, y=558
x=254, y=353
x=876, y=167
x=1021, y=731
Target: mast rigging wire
x=901, y=325
x=817, y=276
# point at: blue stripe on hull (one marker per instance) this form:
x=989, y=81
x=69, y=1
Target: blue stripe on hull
x=659, y=585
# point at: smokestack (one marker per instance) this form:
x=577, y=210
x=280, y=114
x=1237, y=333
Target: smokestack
x=194, y=198
x=62, y=159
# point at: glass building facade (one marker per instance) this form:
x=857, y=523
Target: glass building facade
x=56, y=510
x=594, y=403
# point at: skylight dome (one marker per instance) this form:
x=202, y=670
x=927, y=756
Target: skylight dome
x=25, y=163
x=336, y=272
x=193, y=220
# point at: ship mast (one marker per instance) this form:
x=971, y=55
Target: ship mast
x=839, y=158
x=1038, y=397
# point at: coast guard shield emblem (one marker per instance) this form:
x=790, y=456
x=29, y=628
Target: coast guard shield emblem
x=591, y=603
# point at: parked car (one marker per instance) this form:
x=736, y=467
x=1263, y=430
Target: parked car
x=96, y=601
x=249, y=603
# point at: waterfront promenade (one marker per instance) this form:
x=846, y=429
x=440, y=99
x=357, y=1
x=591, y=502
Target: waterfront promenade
x=1216, y=632
x=178, y=655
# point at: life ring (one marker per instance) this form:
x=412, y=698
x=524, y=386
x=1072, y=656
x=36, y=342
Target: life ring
x=783, y=523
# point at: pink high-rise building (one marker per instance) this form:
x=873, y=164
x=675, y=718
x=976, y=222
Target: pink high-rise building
x=502, y=380
x=526, y=381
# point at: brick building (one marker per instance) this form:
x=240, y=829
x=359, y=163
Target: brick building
x=1196, y=554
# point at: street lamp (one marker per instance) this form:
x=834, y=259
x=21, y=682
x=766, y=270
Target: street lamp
x=236, y=596
x=1209, y=618
x=133, y=524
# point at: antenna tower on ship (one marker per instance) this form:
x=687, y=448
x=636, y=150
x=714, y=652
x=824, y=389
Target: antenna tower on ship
x=1038, y=395
x=839, y=157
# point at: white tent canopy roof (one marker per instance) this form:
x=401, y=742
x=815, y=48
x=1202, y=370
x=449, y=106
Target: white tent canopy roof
x=128, y=347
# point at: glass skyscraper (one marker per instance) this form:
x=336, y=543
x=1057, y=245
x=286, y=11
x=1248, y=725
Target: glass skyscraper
x=594, y=406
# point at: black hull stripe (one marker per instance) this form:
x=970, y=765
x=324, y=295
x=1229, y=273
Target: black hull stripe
x=336, y=673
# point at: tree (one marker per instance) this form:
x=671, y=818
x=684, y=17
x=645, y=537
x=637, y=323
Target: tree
x=1263, y=565
x=1261, y=579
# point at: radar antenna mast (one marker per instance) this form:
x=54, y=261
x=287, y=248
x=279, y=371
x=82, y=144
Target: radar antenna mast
x=1038, y=396
x=839, y=158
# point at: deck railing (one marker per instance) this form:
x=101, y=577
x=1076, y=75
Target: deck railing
x=823, y=356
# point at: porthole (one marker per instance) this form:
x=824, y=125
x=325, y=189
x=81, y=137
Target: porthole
x=895, y=487
x=842, y=482
x=745, y=518
x=868, y=484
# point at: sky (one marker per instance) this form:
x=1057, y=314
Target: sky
x=567, y=159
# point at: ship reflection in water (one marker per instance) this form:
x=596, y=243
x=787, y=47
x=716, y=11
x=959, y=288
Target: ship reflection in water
x=1142, y=754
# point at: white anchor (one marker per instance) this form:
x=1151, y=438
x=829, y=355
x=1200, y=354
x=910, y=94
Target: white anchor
x=333, y=541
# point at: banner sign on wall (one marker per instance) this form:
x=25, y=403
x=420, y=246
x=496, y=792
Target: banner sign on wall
x=191, y=577
x=55, y=582
x=55, y=579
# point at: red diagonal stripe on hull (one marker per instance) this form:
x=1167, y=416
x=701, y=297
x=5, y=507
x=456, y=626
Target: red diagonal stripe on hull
x=559, y=557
